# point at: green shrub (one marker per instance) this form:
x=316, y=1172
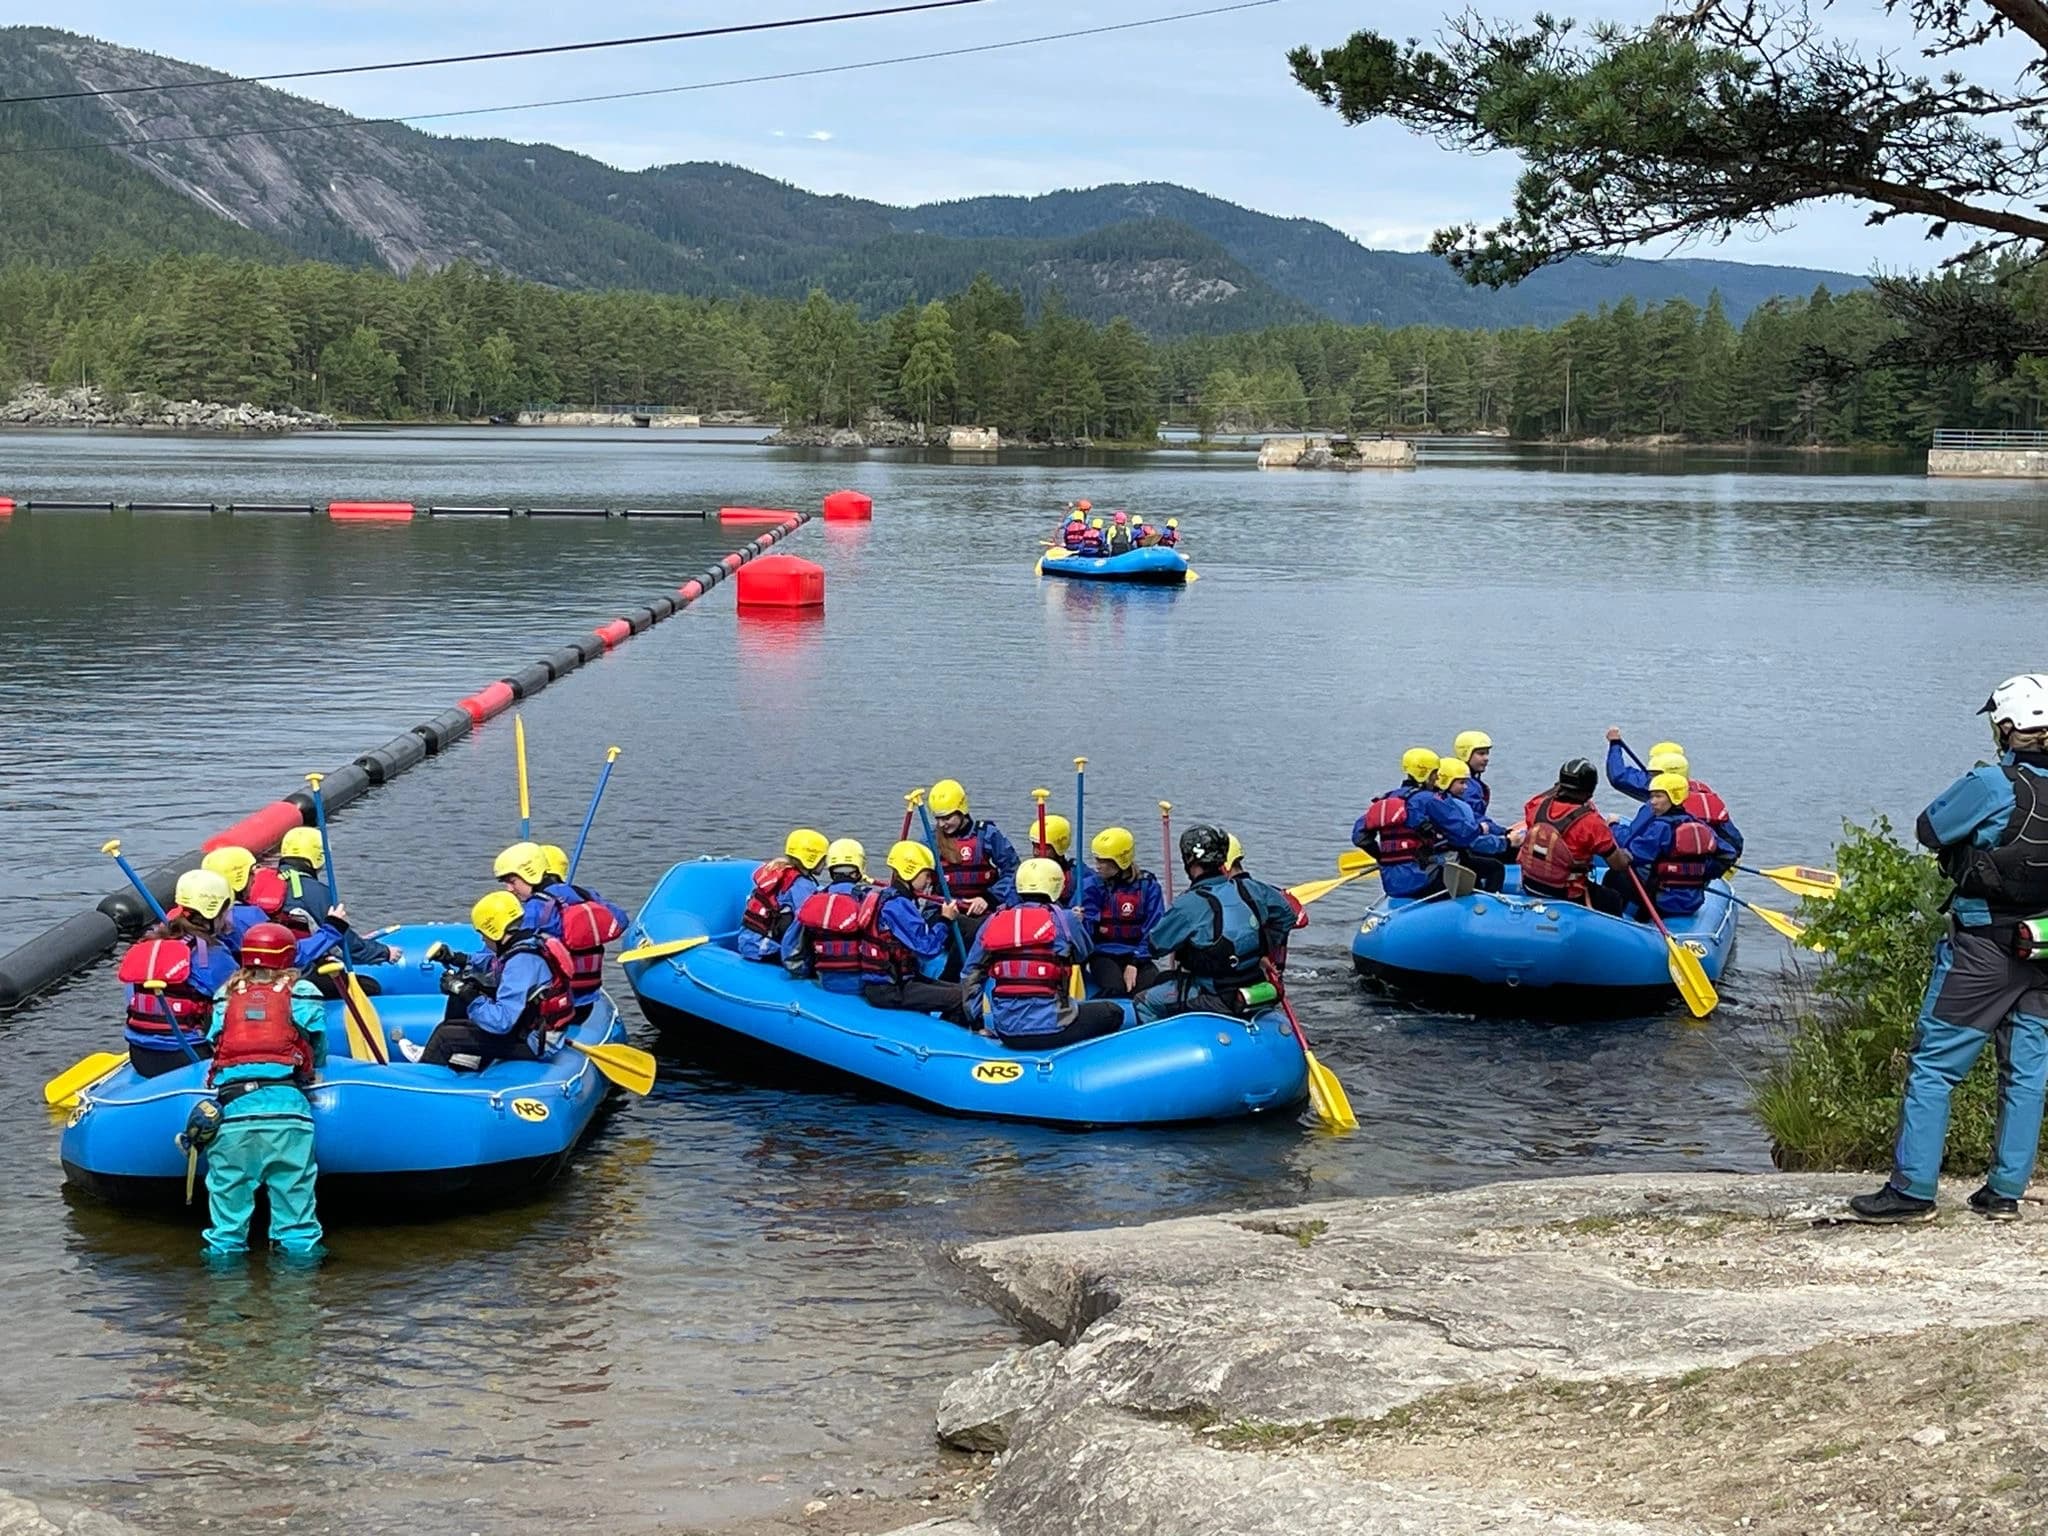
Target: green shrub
x=1832, y=1099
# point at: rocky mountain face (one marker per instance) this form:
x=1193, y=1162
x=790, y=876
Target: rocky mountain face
x=247, y=170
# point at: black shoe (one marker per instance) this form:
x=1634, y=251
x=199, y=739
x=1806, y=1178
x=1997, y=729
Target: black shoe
x=1993, y=1206
x=1891, y=1205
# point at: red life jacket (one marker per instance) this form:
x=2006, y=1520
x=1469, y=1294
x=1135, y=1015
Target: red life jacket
x=1122, y=924
x=587, y=926
x=1021, y=943
x=266, y=892
x=1074, y=535
x=1690, y=861
x=1548, y=857
x=764, y=912
x=257, y=1027
x=1395, y=839
x=176, y=1006
x=969, y=870
x=555, y=1008
x=1702, y=802
x=848, y=937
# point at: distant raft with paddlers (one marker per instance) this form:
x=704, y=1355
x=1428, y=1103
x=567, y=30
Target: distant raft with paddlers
x=1154, y=565
x=1191, y=1067
x=402, y=1138
x=1508, y=951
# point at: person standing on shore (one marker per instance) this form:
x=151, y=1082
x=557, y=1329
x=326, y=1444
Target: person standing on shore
x=1989, y=830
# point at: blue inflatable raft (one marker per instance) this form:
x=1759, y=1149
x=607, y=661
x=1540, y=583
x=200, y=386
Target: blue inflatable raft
x=402, y=1138
x=1526, y=954
x=1151, y=566
x=1197, y=1066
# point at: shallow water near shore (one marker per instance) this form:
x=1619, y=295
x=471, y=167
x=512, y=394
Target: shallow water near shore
x=738, y=1296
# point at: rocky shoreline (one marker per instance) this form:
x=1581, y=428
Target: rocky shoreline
x=1633, y=1355
x=35, y=406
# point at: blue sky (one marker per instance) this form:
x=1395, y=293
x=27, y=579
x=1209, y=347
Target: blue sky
x=1207, y=103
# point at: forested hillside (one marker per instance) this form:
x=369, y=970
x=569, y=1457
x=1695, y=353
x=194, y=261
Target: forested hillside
x=465, y=342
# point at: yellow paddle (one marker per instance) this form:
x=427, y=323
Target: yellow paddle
x=525, y=807
x=62, y=1091
x=365, y=1029
x=627, y=1065
x=1351, y=864
x=663, y=951
x=1326, y=1096
x=1686, y=972
x=1781, y=923
x=1820, y=884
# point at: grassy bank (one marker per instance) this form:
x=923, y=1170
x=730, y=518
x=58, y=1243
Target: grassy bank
x=1832, y=1099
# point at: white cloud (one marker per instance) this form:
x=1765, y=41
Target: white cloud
x=820, y=135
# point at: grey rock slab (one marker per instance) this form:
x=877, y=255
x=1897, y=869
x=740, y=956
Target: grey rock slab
x=976, y=1412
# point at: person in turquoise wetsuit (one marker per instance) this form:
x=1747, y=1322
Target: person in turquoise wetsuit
x=1216, y=939
x=1989, y=829
x=269, y=1036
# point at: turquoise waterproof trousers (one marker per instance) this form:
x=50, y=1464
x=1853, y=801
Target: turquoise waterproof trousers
x=269, y=1154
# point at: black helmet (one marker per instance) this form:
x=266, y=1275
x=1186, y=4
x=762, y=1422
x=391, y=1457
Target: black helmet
x=1578, y=776
x=1204, y=845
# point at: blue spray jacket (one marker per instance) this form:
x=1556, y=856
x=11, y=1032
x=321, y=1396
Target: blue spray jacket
x=1972, y=813
x=515, y=979
x=306, y=892
x=1153, y=907
x=1457, y=829
x=1016, y=1017
x=758, y=946
x=1649, y=839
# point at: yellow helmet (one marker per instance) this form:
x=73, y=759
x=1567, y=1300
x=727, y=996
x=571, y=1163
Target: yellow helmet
x=810, y=849
x=1668, y=761
x=1040, y=877
x=1095, y=522
x=845, y=853
x=496, y=915
x=1059, y=833
x=1469, y=742
x=1173, y=522
x=524, y=860
x=304, y=843
x=1077, y=516
x=556, y=859
x=232, y=864
x=1673, y=784
x=1117, y=846
x=203, y=891
x=1418, y=763
x=948, y=796
x=1233, y=852
x=909, y=860
x=1667, y=746
x=1451, y=769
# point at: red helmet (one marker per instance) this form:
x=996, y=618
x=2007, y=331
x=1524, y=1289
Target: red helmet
x=1121, y=518
x=266, y=891
x=269, y=945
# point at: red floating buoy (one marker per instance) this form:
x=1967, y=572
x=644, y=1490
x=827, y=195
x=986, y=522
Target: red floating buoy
x=370, y=511
x=6, y=506
x=849, y=507
x=754, y=515
x=611, y=634
x=690, y=590
x=260, y=831
x=781, y=581
x=486, y=702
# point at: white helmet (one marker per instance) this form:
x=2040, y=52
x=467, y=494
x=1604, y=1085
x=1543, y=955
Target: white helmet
x=2018, y=704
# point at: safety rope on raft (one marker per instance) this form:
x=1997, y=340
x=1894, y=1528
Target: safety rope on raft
x=583, y=1067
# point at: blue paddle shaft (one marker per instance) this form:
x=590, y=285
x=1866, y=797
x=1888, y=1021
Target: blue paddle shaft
x=589, y=816
x=333, y=885
x=148, y=896
x=931, y=838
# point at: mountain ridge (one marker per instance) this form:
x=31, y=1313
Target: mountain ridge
x=1173, y=260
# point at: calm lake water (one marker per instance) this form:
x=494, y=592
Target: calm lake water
x=738, y=1295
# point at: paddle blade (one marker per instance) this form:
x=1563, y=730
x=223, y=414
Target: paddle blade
x=1821, y=884
x=359, y=1018
x=1780, y=922
x=62, y=1091
x=1194, y=575
x=1077, y=985
x=1356, y=861
x=627, y=1065
x=1691, y=979
x=663, y=951
x=1316, y=890
x=1327, y=1097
